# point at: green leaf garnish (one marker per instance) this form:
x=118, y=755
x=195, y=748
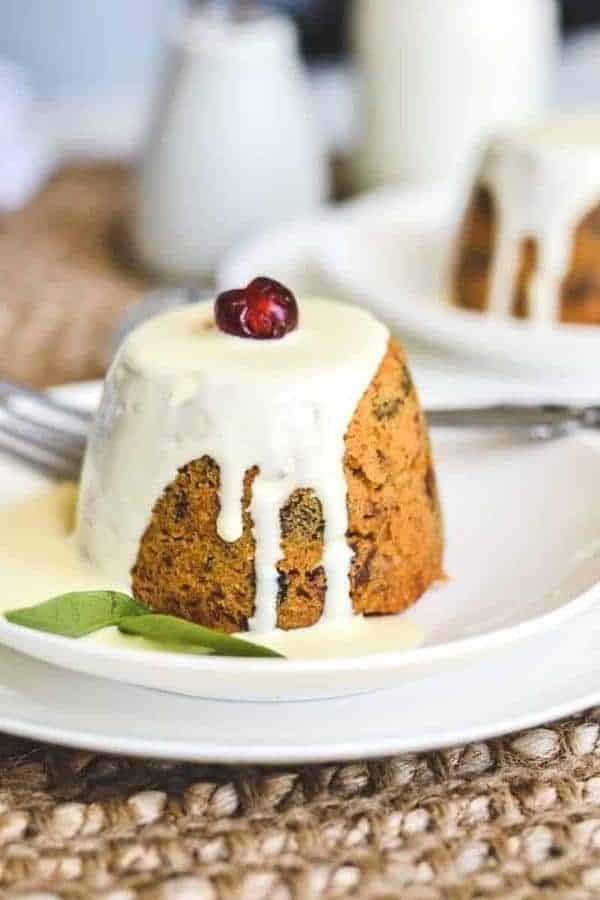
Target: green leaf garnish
x=169, y=629
x=82, y=612
x=78, y=613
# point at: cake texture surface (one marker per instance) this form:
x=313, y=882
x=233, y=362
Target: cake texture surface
x=247, y=485
x=529, y=244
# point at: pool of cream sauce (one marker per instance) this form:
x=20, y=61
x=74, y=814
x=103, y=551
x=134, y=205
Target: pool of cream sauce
x=39, y=559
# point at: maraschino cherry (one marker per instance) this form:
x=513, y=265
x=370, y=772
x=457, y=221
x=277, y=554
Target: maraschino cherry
x=263, y=310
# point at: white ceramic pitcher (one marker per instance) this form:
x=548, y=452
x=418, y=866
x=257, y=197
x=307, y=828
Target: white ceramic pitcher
x=234, y=149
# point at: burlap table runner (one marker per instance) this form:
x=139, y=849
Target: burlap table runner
x=512, y=818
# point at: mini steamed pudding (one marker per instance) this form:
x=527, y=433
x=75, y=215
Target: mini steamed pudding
x=529, y=245
x=256, y=463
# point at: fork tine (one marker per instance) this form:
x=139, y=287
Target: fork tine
x=42, y=440
x=44, y=459
x=70, y=440
x=10, y=390
x=29, y=430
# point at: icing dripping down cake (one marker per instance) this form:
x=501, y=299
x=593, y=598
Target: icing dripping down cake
x=249, y=484
x=529, y=245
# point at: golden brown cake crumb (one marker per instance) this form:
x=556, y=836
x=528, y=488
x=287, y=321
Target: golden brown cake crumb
x=183, y=566
x=580, y=294
x=528, y=256
x=476, y=243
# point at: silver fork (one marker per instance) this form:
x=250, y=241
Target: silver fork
x=42, y=431
x=51, y=435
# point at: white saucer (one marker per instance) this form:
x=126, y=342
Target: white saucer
x=391, y=252
x=523, y=556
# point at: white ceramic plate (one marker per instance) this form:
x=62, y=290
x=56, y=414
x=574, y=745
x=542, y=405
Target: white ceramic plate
x=553, y=675
x=392, y=253
x=523, y=556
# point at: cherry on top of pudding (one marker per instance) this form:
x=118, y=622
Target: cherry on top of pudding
x=263, y=310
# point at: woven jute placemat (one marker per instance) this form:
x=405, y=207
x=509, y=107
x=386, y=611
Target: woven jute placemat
x=513, y=818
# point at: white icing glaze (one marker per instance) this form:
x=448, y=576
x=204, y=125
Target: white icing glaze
x=544, y=179
x=180, y=389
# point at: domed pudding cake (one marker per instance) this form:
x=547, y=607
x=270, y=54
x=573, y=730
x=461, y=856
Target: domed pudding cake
x=255, y=464
x=529, y=245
